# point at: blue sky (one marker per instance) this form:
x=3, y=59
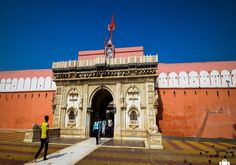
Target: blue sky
x=35, y=33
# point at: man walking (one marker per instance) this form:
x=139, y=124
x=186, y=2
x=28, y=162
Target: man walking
x=96, y=129
x=44, y=139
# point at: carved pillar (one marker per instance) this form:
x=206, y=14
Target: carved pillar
x=117, y=124
x=85, y=118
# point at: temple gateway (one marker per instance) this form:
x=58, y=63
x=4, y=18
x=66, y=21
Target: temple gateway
x=121, y=89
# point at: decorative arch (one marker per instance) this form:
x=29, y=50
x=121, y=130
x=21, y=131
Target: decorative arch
x=132, y=96
x=173, y=79
x=13, y=84
x=183, y=79
x=162, y=80
x=27, y=83
x=204, y=79
x=48, y=82
x=226, y=80
x=70, y=117
x=215, y=78
x=233, y=73
x=2, y=84
x=96, y=90
x=193, y=79
x=73, y=98
x=134, y=108
x=40, y=83
x=20, y=85
x=34, y=82
x=133, y=117
x=73, y=90
x=8, y=84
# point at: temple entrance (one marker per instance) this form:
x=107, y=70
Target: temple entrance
x=103, y=109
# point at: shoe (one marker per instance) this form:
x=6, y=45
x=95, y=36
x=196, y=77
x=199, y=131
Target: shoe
x=45, y=159
x=35, y=160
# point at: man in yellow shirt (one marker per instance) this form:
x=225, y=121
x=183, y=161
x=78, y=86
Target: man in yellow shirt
x=43, y=138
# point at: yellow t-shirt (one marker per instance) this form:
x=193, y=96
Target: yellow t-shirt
x=44, y=128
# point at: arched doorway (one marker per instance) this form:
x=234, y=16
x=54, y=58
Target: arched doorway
x=102, y=108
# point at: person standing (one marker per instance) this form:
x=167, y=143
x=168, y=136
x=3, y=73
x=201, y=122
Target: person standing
x=96, y=128
x=104, y=123
x=110, y=127
x=44, y=139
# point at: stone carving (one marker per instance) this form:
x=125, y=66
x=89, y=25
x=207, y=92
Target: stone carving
x=154, y=137
x=153, y=130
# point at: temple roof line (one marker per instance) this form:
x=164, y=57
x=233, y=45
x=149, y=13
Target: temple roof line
x=103, y=60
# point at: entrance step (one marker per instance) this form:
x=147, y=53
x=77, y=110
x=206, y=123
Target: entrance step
x=72, y=154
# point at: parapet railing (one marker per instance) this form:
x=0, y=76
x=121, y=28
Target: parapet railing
x=103, y=60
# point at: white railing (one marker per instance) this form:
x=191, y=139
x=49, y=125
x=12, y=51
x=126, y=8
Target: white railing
x=101, y=60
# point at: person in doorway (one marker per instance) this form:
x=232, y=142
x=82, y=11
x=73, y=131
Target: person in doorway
x=96, y=129
x=104, y=123
x=44, y=139
x=110, y=127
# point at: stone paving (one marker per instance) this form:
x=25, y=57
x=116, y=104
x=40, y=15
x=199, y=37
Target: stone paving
x=176, y=152
x=115, y=152
x=13, y=151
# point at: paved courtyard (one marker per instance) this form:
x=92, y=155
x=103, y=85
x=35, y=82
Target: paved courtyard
x=184, y=152
x=13, y=151
x=179, y=152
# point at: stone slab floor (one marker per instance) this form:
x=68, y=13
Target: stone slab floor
x=14, y=151
x=176, y=152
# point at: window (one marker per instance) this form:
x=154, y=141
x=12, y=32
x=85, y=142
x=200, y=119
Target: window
x=133, y=115
x=71, y=115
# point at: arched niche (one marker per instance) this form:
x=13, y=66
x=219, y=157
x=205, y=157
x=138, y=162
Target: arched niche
x=8, y=84
x=233, y=74
x=215, y=78
x=162, y=80
x=183, y=79
x=20, y=86
x=71, y=117
x=40, y=85
x=133, y=97
x=193, y=79
x=27, y=83
x=173, y=79
x=2, y=84
x=133, y=117
x=14, y=84
x=226, y=79
x=48, y=82
x=204, y=79
x=34, y=83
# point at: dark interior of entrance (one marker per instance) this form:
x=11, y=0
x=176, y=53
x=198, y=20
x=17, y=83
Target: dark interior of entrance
x=102, y=106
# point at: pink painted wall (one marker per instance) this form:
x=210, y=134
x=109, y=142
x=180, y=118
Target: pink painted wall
x=20, y=110
x=119, y=52
x=198, y=112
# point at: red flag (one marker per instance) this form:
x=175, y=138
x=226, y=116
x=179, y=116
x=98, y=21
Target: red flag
x=111, y=26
